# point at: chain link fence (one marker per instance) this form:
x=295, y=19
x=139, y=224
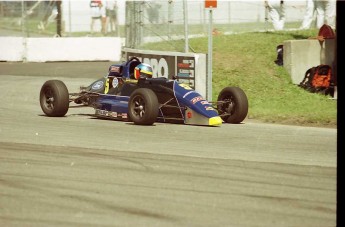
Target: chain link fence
x=140, y=22
x=152, y=21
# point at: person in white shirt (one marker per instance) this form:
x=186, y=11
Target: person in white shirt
x=325, y=13
x=97, y=13
x=111, y=13
x=276, y=12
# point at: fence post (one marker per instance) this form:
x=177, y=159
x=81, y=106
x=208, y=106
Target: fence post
x=185, y=14
x=58, y=18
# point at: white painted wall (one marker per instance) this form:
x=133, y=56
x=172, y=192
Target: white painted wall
x=60, y=49
x=11, y=48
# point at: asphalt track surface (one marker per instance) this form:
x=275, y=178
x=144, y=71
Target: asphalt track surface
x=81, y=171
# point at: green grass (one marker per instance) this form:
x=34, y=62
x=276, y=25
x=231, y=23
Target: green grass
x=247, y=60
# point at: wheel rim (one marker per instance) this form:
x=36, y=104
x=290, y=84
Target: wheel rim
x=48, y=101
x=139, y=107
x=228, y=106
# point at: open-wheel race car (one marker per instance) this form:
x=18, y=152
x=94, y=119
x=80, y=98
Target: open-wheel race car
x=129, y=93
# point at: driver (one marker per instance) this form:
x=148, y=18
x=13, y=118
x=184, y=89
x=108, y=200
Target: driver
x=143, y=70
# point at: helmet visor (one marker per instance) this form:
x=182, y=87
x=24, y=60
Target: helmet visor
x=146, y=74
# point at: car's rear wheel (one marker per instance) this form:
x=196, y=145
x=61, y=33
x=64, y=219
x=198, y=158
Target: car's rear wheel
x=143, y=107
x=232, y=105
x=54, y=98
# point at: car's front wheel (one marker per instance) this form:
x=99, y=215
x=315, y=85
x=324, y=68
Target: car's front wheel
x=54, y=98
x=232, y=105
x=143, y=107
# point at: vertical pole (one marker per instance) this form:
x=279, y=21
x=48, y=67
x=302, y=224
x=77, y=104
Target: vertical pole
x=58, y=18
x=23, y=18
x=128, y=25
x=69, y=17
x=23, y=32
x=170, y=20
x=204, y=22
x=209, y=63
x=185, y=10
x=266, y=17
x=141, y=7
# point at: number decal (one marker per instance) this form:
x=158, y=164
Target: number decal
x=106, y=86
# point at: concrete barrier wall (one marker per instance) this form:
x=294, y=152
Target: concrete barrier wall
x=300, y=55
x=60, y=49
x=11, y=48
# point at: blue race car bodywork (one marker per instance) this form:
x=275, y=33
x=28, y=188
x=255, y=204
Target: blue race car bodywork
x=146, y=100
x=177, y=102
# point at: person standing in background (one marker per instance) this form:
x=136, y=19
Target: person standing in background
x=153, y=12
x=103, y=19
x=98, y=13
x=276, y=12
x=325, y=13
x=111, y=13
x=49, y=16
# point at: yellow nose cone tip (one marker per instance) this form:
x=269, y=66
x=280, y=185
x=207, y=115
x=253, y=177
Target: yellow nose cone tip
x=215, y=121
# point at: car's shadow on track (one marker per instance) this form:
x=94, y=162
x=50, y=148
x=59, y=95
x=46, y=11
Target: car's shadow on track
x=43, y=115
x=94, y=117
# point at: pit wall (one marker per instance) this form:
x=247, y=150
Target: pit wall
x=60, y=49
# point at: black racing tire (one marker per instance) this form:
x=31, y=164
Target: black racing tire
x=143, y=107
x=234, y=108
x=54, y=98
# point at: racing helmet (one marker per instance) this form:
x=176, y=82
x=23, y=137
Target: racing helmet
x=143, y=70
